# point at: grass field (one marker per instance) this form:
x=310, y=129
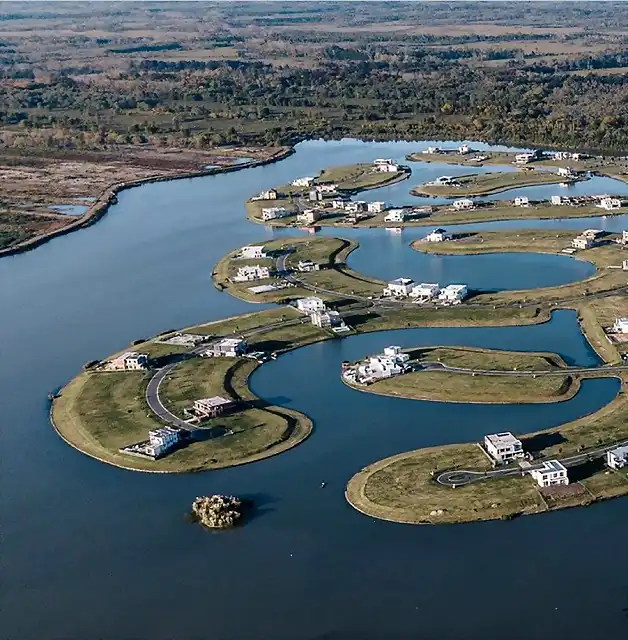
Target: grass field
x=489, y=359
x=488, y=183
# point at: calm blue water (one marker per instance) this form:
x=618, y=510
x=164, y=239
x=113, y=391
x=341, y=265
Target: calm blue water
x=90, y=551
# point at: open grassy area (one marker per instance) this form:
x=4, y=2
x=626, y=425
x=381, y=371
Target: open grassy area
x=484, y=184
x=359, y=177
x=444, y=386
x=402, y=488
x=488, y=359
x=606, y=254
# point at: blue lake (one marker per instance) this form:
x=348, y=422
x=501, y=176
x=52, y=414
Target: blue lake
x=90, y=551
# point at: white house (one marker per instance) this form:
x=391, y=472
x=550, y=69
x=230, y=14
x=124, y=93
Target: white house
x=161, y=440
x=522, y=201
x=624, y=237
x=315, y=196
x=399, y=287
x=558, y=200
x=463, y=204
x=609, y=204
x=355, y=206
x=327, y=319
x=376, y=207
x=309, y=216
x=464, y=149
x=454, y=293
x=425, y=291
x=211, y=407
x=524, y=158
x=438, y=235
x=252, y=253
x=582, y=242
x=617, y=458
x=387, y=168
x=624, y=265
x=339, y=203
x=311, y=304
x=382, y=161
x=620, y=326
x=251, y=272
x=303, y=182
x=442, y=180
x=550, y=473
x=566, y=172
x=395, y=215
x=227, y=347
x=270, y=194
x=307, y=265
x=326, y=188
x=129, y=361
x=385, y=365
x=432, y=150
x=272, y=213
x=503, y=447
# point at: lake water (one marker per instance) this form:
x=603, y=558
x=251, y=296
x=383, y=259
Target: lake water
x=90, y=551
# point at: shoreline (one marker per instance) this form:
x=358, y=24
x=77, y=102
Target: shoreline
x=99, y=208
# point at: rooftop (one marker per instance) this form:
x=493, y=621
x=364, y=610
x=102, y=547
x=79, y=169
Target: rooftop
x=551, y=465
x=401, y=281
x=503, y=439
x=214, y=401
x=230, y=342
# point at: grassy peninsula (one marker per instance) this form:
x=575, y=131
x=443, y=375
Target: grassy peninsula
x=488, y=183
x=403, y=488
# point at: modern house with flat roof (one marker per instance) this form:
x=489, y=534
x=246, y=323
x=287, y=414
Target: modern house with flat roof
x=376, y=207
x=617, y=458
x=609, y=204
x=522, y=201
x=582, y=242
x=129, y=361
x=395, y=215
x=464, y=204
x=551, y=473
x=438, y=235
x=227, y=347
x=311, y=304
x=210, y=407
x=309, y=216
x=425, y=291
x=399, y=287
x=252, y=253
x=621, y=325
x=503, y=447
x=252, y=272
x=453, y=293
x=327, y=320
x=272, y=213
x=162, y=440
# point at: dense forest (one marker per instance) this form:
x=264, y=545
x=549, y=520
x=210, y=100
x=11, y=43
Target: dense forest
x=211, y=74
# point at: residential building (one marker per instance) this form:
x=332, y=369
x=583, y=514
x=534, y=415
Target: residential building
x=272, y=213
x=503, y=447
x=399, y=287
x=376, y=207
x=624, y=237
x=620, y=326
x=582, y=242
x=329, y=189
x=464, y=149
x=311, y=304
x=566, y=172
x=307, y=265
x=463, y=204
x=162, y=440
x=395, y=215
x=551, y=473
x=522, y=201
x=309, y=216
x=438, y=235
x=453, y=293
x=617, y=458
x=227, y=347
x=594, y=234
x=421, y=212
x=327, y=319
x=558, y=200
x=129, y=361
x=355, y=206
x=443, y=180
x=211, y=407
x=315, y=195
x=303, y=182
x=525, y=158
x=382, y=161
x=270, y=194
x=251, y=272
x=425, y=291
x=391, y=362
x=609, y=204
x=432, y=150
x=624, y=265
x=252, y=253
x=389, y=167
x=339, y=203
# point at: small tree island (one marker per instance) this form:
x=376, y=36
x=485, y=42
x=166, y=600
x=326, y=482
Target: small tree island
x=218, y=512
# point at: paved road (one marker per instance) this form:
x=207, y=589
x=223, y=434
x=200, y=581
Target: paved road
x=461, y=477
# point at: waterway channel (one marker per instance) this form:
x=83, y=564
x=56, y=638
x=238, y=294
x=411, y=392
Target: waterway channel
x=90, y=551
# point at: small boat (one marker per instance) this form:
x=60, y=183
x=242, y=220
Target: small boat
x=323, y=485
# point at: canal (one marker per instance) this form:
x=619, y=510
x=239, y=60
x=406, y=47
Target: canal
x=91, y=551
